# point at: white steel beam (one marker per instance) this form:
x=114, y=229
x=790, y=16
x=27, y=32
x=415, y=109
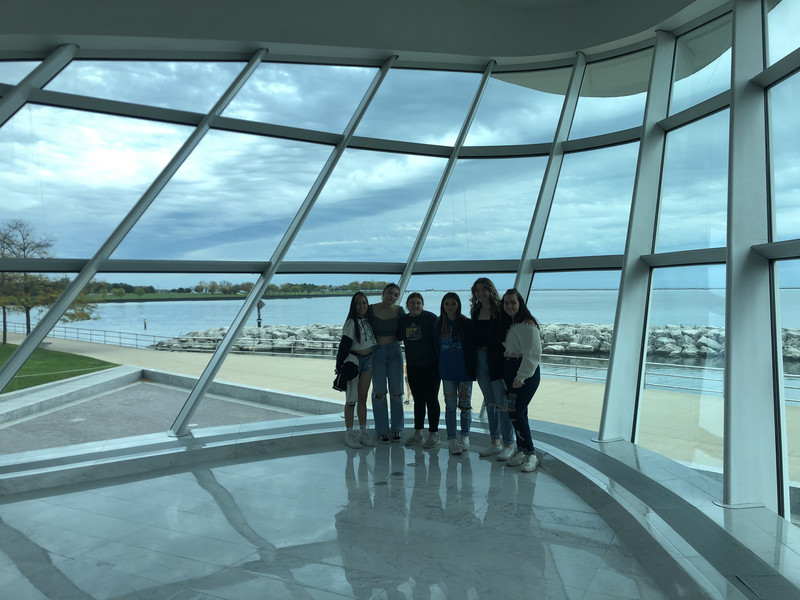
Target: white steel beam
x=179, y=427
x=533, y=243
x=626, y=362
x=444, y=180
x=752, y=403
x=71, y=292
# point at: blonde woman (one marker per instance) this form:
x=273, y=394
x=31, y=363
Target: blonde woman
x=487, y=342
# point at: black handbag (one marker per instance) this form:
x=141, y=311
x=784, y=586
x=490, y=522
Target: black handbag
x=348, y=371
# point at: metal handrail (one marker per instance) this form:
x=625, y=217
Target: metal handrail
x=579, y=368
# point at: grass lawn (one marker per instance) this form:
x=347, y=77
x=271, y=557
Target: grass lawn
x=45, y=366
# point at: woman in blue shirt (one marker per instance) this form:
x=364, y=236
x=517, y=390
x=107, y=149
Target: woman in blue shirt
x=456, y=368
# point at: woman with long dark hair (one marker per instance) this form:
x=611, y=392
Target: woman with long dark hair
x=422, y=364
x=356, y=346
x=457, y=370
x=486, y=312
x=521, y=373
x=387, y=365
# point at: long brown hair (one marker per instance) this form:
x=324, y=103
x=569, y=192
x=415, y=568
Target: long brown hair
x=494, y=298
x=523, y=314
x=353, y=313
x=441, y=323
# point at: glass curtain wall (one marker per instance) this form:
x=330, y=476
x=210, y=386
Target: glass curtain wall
x=576, y=314
x=76, y=164
x=681, y=405
x=788, y=275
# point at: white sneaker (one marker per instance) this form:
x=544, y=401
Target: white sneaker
x=516, y=459
x=364, y=439
x=351, y=440
x=465, y=442
x=505, y=453
x=491, y=450
x=432, y=441
x=530, y=464
x=455, y=447
x=414, y=439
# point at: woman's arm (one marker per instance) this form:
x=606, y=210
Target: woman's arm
x=531, y=345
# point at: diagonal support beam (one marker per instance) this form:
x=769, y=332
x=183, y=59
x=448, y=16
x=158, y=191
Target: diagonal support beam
x=35, y=80
x=73, y=290
x=533, y=243
x=445, y=179
x=179, y=427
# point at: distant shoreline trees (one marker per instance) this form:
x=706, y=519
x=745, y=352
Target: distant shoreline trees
x=102, y=291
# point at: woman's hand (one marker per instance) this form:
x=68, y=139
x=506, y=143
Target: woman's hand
x=517, y=383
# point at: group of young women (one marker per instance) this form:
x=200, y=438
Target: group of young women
x=499, y=345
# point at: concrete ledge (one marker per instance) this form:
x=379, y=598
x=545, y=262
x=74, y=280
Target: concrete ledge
x=307, y=404
x=28, y=402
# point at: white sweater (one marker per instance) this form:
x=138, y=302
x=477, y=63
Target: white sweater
x=524, y=339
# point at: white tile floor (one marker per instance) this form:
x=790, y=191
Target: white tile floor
x=389, y=522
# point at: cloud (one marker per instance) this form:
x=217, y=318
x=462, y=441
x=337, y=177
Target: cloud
x=75, y=174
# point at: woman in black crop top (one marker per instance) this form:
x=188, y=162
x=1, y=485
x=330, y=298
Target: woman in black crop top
x=387, y=365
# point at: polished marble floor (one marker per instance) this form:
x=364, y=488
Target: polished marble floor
x=330, y=522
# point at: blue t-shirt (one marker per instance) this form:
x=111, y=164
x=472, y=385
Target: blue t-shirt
x=452, y=361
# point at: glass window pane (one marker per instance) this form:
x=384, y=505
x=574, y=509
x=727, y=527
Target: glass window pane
x=420, y=106
x=612, y=95
x=576, y=312
x=486, y=210
x=789, y=312
x=74, y=175
x=784, y=131
x=519, y=108
x=702, y=64
x=371, y=209
x=782, y=25
x=434, y=287
x=232, y=199
x=592, y=203
x=681, y=408
x=318, y=97
x=694, y=190
x=12, y=71
x=193, y=86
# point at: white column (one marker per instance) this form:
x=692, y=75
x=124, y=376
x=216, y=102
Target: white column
x=626, y=363
x=533, y=243
x=751, y=400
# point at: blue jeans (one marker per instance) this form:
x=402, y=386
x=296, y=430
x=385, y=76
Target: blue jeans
x=453, y=401
x=364, y=365
x=387, y=365
x=518, y=401
x=494, y=396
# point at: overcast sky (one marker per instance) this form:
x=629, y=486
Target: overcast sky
x=73, y=175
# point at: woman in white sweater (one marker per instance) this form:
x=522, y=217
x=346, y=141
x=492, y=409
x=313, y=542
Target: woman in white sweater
x=521, y=375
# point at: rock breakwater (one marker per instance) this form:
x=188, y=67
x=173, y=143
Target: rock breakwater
x=664, y=342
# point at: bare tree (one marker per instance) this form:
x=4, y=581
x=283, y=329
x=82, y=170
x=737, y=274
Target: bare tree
x=24, y=292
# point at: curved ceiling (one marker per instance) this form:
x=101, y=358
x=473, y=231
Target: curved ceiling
x=455, y=31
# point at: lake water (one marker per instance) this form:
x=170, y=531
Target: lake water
x=173, y=318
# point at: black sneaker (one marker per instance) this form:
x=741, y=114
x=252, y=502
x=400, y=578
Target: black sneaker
x=385, y=439
x=396, y=436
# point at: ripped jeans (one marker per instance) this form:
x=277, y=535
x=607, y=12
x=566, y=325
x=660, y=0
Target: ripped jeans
x=387, y=365
x=457, y=395
x=518, y=401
